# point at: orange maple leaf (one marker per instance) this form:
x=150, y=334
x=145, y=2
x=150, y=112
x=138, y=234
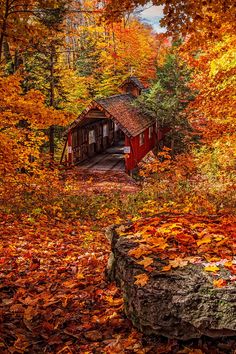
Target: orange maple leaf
x=147, y=261
x=166, y=268
x=220, y=283
x=142, y=279
x=139, y=252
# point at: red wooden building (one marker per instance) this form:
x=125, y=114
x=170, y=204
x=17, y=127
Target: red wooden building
x=113, y=121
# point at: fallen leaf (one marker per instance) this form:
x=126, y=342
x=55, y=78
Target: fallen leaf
x=21, y=343
x=220, y=283
x=93, y=336
x=204, y=240
x=178, y=262
x=228, y=264
x=139, y=252
x=147, y=261
x=166, y=268
x=212, y=268
x=79, y=276
x=30, y=313
x=70, y=283
x=142, y=279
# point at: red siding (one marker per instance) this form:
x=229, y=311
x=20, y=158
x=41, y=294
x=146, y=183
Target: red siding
x=70, y=157
x=138, y=152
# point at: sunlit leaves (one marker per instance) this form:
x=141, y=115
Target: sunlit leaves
x=220, y=283
x=139, y=252
x=146, y=262
x=212, y=268
x=214, y=115
x=178, y=241
x=24, y=167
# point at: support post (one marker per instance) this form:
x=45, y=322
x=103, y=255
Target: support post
x=70, y=155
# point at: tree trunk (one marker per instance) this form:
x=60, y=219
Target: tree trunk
x=7, y=54
x=4, y=27
x=115, y=51
x=51, y=142
x=52, y=103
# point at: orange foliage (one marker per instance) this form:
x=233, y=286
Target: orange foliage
x=55, y=297
x=24, y=169
x=204, y=19
x=173, y=241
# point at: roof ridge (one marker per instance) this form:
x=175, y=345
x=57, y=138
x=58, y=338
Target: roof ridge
x=113, y=96
x=119, y=107
x=135, y=80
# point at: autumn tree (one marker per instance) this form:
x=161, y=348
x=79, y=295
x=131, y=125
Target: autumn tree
x=201, y=18
x=110, y=53
x=25, y=28
x=167, y=99
x=41, y=62
x=21, y=26
x=131, y=51
x=22, y=120
x=213, y=115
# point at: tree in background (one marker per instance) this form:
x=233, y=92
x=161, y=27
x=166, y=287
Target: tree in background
x=22, y=24
x=131, y=51
x=209, y=48
x=41, y=63
x=29, y=38
x=167, y=100
x=104, y=54
x=23, y=117
x=213, y=115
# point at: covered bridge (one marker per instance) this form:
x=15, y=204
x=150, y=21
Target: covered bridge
x=110, y=123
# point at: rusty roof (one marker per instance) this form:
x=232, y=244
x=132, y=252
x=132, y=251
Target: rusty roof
x=121, y=110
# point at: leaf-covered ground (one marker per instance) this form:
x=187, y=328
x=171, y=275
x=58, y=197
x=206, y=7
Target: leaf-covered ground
x=95, y=181
x=55, y=297
x=176, y=240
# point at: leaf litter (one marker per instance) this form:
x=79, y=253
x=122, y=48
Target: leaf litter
x=55, y=298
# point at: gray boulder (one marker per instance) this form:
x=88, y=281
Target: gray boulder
x=181, y=303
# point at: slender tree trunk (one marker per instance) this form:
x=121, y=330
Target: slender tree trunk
x=4, y=27
x=51, y=141
x=115, y=50
x=6, y=50
x=52, y=103
x=172, y=146
x=17, y=60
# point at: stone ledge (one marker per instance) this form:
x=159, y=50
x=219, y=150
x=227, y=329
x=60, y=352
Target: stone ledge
x=181, y=303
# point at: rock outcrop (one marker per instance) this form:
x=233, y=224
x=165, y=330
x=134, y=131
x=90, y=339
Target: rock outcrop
x=181, y=303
